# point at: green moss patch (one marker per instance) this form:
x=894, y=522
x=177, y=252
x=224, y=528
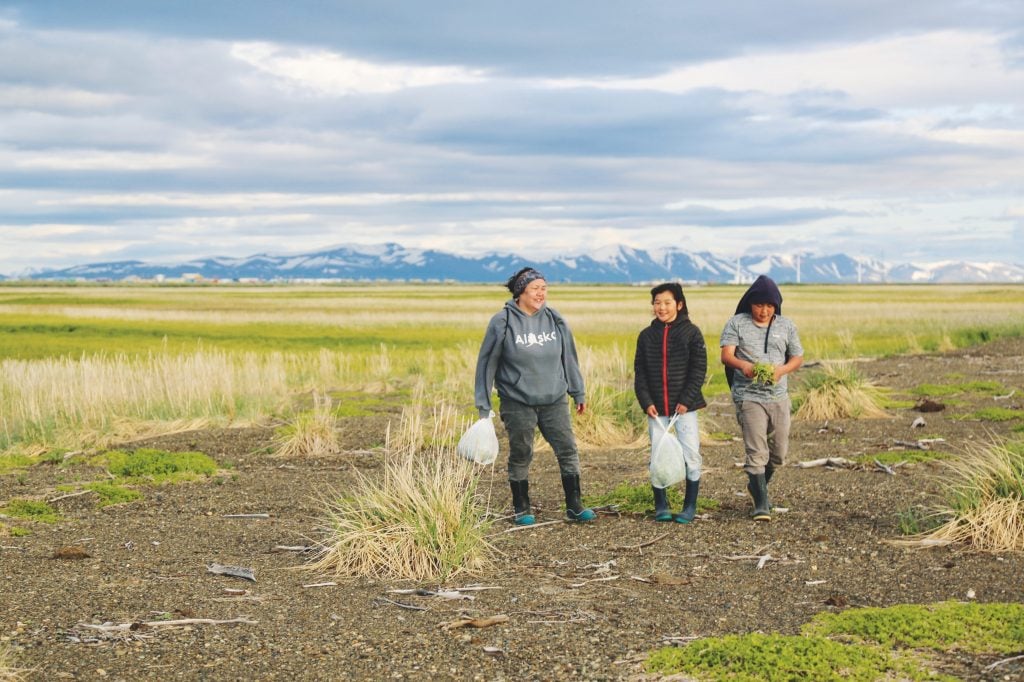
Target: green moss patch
x=158, y=466
x=638, y=498
x=14, y=461
x=897, y=456
x=31, y=510
x=995, y=414
x=111, y=493
x=937, y=390
x=757, y=657
x=947, y=626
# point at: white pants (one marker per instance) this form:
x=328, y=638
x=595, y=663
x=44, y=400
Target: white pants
x=687, y=434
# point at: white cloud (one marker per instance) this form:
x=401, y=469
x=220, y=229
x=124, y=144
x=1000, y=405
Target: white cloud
x=329, y=73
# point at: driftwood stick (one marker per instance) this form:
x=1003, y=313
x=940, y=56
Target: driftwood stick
x=825, y=462
x=913, y=445
x=535, y=525
x=992, y=666
x=126, y=627
x=399, y=604
x=64, y=497
x=247, y=516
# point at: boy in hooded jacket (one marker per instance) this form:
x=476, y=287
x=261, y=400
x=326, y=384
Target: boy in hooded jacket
x=759, y=334
x=669, y=368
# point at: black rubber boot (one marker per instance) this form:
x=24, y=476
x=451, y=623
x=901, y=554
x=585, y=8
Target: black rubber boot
x=574, y=510
x=689, y=502
x=758, y=489
x=661, y=511
x=521, y=503
x=769, y=471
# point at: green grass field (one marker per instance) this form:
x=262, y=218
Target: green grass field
x=81, y=363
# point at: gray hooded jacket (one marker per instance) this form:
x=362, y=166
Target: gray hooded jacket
x=529, y=358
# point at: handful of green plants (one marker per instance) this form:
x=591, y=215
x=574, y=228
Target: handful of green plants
x=764, y=373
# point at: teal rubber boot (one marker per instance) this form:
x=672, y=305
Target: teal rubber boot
x=574, y=510
x=689, y=511
x=758, y=489
x=521, y=503
x=661, y=511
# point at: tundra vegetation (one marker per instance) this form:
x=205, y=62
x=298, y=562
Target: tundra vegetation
x=85, y=368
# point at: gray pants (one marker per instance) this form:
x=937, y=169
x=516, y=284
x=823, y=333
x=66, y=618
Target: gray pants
x=765, y=433
x=521, y=422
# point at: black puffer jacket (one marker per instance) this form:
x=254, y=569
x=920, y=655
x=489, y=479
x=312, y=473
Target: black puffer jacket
x=669, y=367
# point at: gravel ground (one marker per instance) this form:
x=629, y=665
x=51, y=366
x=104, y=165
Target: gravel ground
x=582, y=601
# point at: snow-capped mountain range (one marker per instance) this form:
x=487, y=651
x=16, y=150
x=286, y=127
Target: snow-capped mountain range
x=610, y=265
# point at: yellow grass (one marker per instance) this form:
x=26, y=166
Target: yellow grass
x=837, y=391
x=310, y=434
x=421, y=520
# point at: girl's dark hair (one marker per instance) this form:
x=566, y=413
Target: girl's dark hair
x=674, y=288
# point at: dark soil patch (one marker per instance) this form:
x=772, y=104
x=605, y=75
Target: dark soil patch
x=566, y=619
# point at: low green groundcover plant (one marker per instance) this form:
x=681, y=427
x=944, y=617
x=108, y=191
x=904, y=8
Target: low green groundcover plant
x=938, y=390
x=897, y=456
x=111, y=493
x=158, y=466
x=638, y=498
x=978, y=628
x=995, y=414
x=758, y=657
x=31, y=510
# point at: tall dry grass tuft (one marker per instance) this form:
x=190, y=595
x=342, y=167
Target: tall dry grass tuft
x=838, y=391
x=420, y=519
x=8, y=673
x=66, y=401
x=984, y=501
x=310, y=434
x=612, y=418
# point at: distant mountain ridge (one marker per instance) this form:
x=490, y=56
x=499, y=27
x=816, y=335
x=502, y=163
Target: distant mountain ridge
x=613, y=265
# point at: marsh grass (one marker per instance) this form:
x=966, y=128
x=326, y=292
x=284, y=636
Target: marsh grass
x=995, y=628
x=110, y=494
x=983, y=504
x=148, y=465
x=994, y=414
x=758, y=657
x=8, y=671
x=638, y=498
x=313, y=433
x=31, y=510
x=837, y=391
x=422, y=518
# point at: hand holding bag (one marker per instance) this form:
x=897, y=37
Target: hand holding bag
x=480, y=443
x=668, y=465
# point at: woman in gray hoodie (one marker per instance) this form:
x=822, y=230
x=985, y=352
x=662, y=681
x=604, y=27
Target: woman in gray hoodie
x=529, y=356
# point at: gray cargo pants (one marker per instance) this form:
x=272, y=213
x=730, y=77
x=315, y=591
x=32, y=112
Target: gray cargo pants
x=765, y=433
x=521, y=422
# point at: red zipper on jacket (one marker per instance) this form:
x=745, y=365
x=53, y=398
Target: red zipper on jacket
x=664, y=368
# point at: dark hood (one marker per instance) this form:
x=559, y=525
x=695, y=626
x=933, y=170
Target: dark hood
x=763, y=290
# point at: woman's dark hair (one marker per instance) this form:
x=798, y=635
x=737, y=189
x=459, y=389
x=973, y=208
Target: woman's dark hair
x=517, y=282
x=674, y=288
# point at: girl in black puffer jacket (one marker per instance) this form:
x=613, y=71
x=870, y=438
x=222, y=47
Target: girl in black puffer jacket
x=670, y=365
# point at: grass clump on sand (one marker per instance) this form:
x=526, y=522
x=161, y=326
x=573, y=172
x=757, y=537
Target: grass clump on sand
x=13, y=532
x=419, y=519
x=984, y=500
x=838, y=391
x=758, y=657
x=31, y=510
x=310, y=434
x=638, y=498
x=8, y=673
x=158, y=466
x=996, y=628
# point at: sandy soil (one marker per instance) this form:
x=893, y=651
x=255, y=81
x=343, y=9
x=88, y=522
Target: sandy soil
x=582, y=601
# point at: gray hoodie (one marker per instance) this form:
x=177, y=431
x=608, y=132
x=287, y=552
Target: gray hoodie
x=529, y=358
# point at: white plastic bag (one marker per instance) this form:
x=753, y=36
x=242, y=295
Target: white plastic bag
x=480, y=443
x=668, y=466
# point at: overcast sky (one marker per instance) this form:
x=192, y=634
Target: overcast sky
x=163, y=131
